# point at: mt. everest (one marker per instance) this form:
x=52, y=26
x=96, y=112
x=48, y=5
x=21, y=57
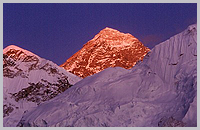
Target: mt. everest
x=109, y=48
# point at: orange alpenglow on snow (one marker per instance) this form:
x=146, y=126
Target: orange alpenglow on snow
x=109, y=48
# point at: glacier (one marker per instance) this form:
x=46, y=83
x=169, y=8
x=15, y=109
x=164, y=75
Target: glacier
x=159, y=91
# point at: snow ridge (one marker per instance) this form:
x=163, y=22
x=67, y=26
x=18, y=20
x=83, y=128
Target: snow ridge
x=160, y=91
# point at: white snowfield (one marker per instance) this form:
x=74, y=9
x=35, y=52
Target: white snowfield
x=20, y=76
x=160, y=91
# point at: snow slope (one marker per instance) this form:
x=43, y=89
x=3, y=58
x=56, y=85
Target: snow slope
x=29, y=80
x=160, y=91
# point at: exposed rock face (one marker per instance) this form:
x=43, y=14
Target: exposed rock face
x=170, y=122
x=109, y=48
x=28, y=81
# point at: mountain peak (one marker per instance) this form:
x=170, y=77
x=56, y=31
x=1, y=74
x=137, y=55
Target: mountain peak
x=112, y=32
x=113, y=37
x=109, y=48
x=29, y=80
x=109, y=29
x=13, y=49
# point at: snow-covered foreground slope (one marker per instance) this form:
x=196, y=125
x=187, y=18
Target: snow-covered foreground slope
x=160, y=91
x=28, y=81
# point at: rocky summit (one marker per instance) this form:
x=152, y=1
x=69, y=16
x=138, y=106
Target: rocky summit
x=109, y=48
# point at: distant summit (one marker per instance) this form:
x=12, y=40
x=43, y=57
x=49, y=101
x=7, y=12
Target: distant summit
x=109, y=48
x=17, y=52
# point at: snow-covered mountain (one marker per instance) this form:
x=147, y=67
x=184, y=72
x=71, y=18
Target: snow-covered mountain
x=160, y=91
x=109, y=48
x=28, y=81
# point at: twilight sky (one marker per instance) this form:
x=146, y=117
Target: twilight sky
x=57, y=31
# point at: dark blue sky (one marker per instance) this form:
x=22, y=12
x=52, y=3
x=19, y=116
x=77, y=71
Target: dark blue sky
x=56, y=31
